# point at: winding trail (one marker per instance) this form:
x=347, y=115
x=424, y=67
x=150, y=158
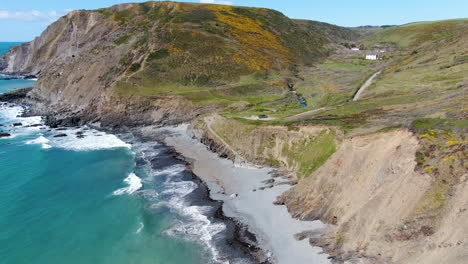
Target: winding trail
x=209, y=121
x=365, y=86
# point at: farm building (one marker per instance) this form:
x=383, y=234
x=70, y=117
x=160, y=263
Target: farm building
x=372, y=56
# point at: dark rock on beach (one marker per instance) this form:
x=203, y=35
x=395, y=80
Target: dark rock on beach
x=80, y=134
x=4, y=135
x=29, y=77
x=60, y=135
x=71, y=121
x=15, y=95
x=17, y=124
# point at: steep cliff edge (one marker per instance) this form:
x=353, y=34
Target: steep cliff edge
x=380, y=204
x=371, y=193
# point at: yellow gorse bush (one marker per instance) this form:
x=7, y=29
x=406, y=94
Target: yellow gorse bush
x=259, y=47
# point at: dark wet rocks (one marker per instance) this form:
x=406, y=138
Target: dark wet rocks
x=30, y=77
x=14, y=95
x=278, y=202
x=17, y=124
x=80, y=134
x=71, y=121
x=60, y=135
x=281, y=173
x=269, y=181
x=275, y=175
x=2, y=134
x=307, y=234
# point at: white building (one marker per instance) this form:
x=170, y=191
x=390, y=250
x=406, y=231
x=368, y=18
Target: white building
x=355, y=49
x=371, y=56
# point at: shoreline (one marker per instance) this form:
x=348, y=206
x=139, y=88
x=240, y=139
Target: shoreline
x=265, y=230
x=248, y=196
x=236, y=242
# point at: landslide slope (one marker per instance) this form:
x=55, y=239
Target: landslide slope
x=120, y=60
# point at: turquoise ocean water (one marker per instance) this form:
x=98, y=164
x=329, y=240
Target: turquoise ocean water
x=96, y=199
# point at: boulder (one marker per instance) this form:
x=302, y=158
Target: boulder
x=4, y=134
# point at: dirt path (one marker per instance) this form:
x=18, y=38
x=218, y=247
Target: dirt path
x=365, y=86
x=209, y=120
x=254, y=117
x=305, y=114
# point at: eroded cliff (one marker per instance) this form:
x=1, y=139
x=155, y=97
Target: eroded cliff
x=158, y=62
x=380, y=206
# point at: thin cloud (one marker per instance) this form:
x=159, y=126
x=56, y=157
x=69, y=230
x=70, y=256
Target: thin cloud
x=216, y=2
x=32, y=15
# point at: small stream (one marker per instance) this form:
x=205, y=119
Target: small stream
x=302, y=101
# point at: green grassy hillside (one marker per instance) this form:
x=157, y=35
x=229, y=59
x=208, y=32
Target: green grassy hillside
x=204, y=51
x=423, y=76
x=335, y=33
x=415, y=34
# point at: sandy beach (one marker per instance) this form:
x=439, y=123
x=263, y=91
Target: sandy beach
x=239, y=189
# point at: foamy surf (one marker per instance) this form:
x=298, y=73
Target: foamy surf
x=91, y=140
x=140, y=227
x=134, y=184
x=197, y=226
x=170, y=171
x=12, y=114
x=40, y=140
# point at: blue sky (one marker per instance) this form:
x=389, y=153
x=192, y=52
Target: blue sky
x=22, y=20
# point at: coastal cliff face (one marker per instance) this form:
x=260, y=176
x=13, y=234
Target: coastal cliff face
x=300, y=149
x=375, y=198
x=379, y=205
x=136, y=62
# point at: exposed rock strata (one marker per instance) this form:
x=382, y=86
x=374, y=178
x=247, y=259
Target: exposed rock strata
x=369, y=193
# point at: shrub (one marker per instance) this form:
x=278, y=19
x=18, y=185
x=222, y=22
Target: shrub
x=160, y=54
x=122, y=40
x=135, y=67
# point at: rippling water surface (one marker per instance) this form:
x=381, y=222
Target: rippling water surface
x=91, y=197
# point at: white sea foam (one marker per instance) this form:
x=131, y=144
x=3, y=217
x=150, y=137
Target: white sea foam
x=197, y=227
x=140, y=227
x=92, y=140
x=170, y=171
x=194, y=224
x=180, y=189
x=134, y=184
x=40, y=140
x=11, y=113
